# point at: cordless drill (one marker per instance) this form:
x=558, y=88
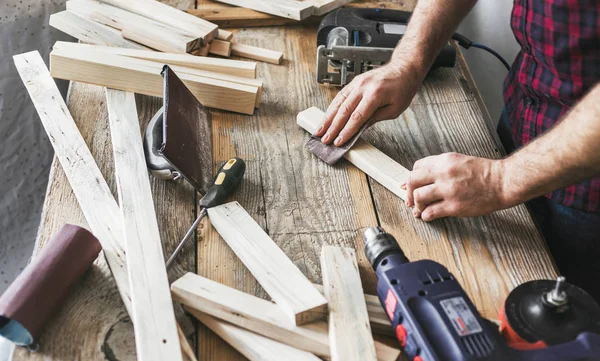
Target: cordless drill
x=435, y=320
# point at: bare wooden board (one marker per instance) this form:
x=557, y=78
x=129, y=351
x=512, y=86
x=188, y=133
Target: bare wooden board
x=236, y=17
x=246, y=69
x=256, y=53
x=169, y=16
x=224, y=35
x=255, y=347
x=365, y=156
x=297, y=10
x=89, y=31
x=155, y=328
x=322, y=7
x=140, y=29
x=278, y=275
x=349, y=330
x=143, y=77
x=220, y=47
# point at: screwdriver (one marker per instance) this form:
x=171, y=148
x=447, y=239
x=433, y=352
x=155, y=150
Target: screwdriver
x=228, y=178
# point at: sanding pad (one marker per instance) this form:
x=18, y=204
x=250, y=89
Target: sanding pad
x=330, y=153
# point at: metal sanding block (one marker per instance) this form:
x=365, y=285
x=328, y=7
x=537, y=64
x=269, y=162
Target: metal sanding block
x=330, y=153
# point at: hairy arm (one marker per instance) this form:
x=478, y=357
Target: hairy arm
x=458, y=185
x=384, y=93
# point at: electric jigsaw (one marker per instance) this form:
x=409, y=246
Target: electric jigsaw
x=434, y=319
x=352, y=41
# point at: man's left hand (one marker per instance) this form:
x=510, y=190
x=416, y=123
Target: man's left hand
x=456, y=185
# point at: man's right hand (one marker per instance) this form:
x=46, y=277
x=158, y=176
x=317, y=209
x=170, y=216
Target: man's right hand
x=380, y=94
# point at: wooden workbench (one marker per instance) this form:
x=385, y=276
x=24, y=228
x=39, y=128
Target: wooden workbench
x=299, y=200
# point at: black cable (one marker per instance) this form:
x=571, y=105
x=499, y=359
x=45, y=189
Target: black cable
x=466, y=43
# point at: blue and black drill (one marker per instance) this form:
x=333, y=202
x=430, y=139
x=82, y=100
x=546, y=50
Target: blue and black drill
x=435, y=320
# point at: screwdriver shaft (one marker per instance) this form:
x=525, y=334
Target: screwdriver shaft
x=187, y=236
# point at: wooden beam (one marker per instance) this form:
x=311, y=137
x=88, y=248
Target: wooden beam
x=260, y=316
x=363, y=155
x=236, y=17
x=256, y=53
x=95, y=198
x=322, y=7
x=169, y=16
x=349, y=331
x=255, y=347
x=246, y=69
x=89, y=31
x=220, y=47
x=224, y=35
x=154, y=325
x=141, y=76
x=297, y=10
x=135, y=27
x=271, y=267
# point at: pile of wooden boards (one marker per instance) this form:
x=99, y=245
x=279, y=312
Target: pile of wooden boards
x=290, y=9
x=293, y=326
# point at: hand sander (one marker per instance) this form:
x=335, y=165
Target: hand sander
x=435, y=320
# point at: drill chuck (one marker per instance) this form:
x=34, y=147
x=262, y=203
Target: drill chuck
x=379, y=244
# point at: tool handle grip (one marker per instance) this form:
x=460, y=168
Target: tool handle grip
x=228, y=178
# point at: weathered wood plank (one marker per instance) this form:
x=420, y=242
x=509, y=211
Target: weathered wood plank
x=349, y=330
x=155, y=329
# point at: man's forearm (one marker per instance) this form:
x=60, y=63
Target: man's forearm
x=433, y=22
x=566, y=154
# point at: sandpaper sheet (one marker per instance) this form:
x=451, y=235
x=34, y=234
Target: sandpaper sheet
x=39, y=291
x=330, y=153
x=187, y=134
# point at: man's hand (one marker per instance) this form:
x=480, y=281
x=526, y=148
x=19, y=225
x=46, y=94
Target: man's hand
x=376, y=95
x=457, y=185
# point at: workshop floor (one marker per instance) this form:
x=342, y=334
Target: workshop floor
x=25, y=152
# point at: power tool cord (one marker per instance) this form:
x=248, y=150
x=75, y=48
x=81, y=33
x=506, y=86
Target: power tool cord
x=466, y=43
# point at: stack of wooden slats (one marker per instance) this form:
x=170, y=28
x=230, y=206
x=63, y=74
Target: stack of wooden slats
x=126, y=33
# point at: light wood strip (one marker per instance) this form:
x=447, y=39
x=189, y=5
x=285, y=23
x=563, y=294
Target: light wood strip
x=186, y=350
x=255, y=347
x=349, y=330
x=246, y=69
x=322, y=7
x=297, y=10
x=89, y=31
x=156, y=336
x=169, y=16
x=220, y=47
x=365, y=156
x=140, y=76
x=236, y=17
x=256, y=53
x=271, y=267
x=224, y=35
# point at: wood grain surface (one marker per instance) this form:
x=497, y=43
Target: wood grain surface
x=301, y=202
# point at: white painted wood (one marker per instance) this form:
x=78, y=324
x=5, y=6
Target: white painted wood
x=250, y=312
x=170, y=16
x=141, y=76
x=95, y=198
x=256, y=53
x=155, y=328
x=255, y=347
x=271, y=267
x=349, y=330
x=363, y=155
x=246, y=69
x=89, y=31
x=292, y=9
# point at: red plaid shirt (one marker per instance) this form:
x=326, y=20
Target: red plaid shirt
x=558, y=64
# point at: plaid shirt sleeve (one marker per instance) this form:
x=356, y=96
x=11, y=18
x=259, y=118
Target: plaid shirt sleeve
x=558, y=64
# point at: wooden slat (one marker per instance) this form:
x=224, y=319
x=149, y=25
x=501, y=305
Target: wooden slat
x=256, y=53
x=89, y=31
x=170, y=16
x=258, y=315
x=255, y=347
x=156, y=336
x=143, y=77
x=349, y=331
x=246, y=69
x=140, y=29
x=280, y=278
x=292, y=9
x=365, y=156
x=220, y=47
x=322, y=7
x=236, y=17
x=224, y=35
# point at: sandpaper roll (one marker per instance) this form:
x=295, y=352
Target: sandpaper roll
x=39, y=291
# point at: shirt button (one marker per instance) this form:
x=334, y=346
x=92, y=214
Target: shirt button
x=526, y=49
x=528, y=101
